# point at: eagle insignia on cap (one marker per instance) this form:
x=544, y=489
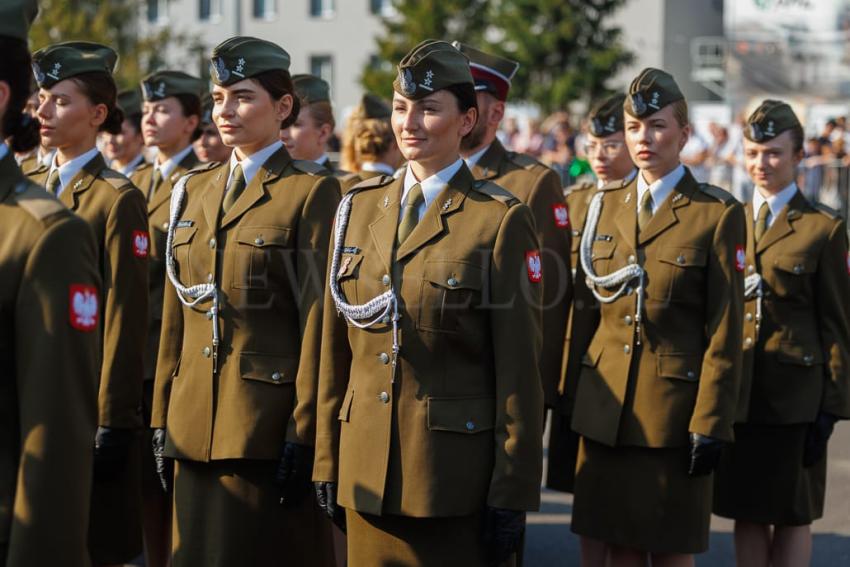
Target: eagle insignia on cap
x=39, y=74
x=54, y=73
x=405, y=78
x=596, y=127
x=638, y=104
x=240, y=68
x=220, y=70
x=755, y=132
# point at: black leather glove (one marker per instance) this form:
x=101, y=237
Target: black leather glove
x=164, y=465
x=111, y=447
x=294, y=473
x=705, y=454
x=817, y=438
x=326, y=498
x=503, y=531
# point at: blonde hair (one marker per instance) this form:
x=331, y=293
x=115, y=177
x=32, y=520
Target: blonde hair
x=364, y=139
x=680, y=112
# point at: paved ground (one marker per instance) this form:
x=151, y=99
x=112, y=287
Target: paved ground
x=550, y=543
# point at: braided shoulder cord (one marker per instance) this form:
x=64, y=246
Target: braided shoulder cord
x=189, y=296
x=616, y=282
x=753, y=288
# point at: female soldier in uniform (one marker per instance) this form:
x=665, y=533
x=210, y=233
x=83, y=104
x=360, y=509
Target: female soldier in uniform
x=208, y=146
x=78, y=100
x=235, y=391
x=661, y=374
x=796, y=353
x=371, y=142
x=430, y=403
x=125, y=150
x=307, y=138
x=48, y=340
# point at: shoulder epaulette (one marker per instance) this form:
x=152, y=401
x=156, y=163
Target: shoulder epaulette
x=717, y=193
x=825, y=210
x=42, y=168
x=373, y=183
x=618, y=184
x=35, y=200
x=143, y=166
x=115, y=179
x=204, y=167
x=495, y=192
x=579, y=187
x=525, y=161
x=311, y=167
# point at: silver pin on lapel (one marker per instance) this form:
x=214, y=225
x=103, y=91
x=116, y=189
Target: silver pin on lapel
x=386, y=201
x=678, y=197
x=628, y=197
x=447, y=204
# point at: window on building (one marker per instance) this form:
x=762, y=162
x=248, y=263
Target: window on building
x=381, y=8
x=322, y=8
x=322, y=66
x=209, y=10
x=265, y=9
x=157, y=10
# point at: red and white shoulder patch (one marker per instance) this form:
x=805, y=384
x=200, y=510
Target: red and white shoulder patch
x=83, y=307
x=141, y=243
x=740, y=258
x=561, y=214
x=534, y=266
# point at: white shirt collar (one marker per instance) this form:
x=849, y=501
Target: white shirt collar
x=69, y=169
x=377, y=167
x=252, y=163
x=4, y=149
x=628, y=179
x=166, y=168
x=322, y=160
x=661, y=188
x=46, y=158
x=432, y=186
x=775, y=202
x=133, y=165
x=472, y=160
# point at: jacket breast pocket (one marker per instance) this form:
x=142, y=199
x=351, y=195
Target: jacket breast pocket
x=180, y=247
x=449, y=288
x=679, y=366
x=682, y=277
x=600, y=256
x=791, y=275
x=347, y=275
x=468, y=415
x=262, y=259
x=797, y=354
x=271, y=369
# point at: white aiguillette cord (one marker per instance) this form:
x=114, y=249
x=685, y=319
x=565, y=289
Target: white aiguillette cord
x=753, y=288
x=372, y=312
x=616, y=282
x=193, y=295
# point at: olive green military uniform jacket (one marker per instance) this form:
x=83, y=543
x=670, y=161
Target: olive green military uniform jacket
x=540, y=188
x=49, y=343
x=584, y=315
x=268, y=257
x=798, y=362
x=115, y=210
x=459, y=425
x=685, y=374
x=158, y=226
x=351, y=179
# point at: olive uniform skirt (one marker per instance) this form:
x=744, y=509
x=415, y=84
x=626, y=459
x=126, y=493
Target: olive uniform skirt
x=561, y=454
x=401, y=541
x=761, y=478
x=641, y=498
x=227, y=514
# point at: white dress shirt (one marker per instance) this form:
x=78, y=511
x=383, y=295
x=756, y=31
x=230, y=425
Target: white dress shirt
x=431, y=186
x=69, y=169
x=660, y=189
x=166, y=168
x=252, y=163
x=775, y=202
x=377, y=167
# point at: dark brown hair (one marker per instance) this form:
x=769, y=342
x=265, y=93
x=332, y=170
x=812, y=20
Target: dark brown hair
x=100, y=88
x=16, y=70
x=278, y=83
x=465, y=95
x=321, y=112
x=191, y=106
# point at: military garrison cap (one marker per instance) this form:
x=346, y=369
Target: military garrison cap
x=770, y=119
x=64, y=60
x=429, y=67
x=206, y=109
x=606, y=118
x=311, y=88
x=16, y=17
x=240, y=58
x=164, y=84
x=374, y=107
x=130, y=102
x=651, y=91
x=492, y=74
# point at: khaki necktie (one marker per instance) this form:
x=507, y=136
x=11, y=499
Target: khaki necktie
x=235, y=188
x=410, y=213
x=645, y=211
x=156, y=180
x=761, y=222
x=53, y=181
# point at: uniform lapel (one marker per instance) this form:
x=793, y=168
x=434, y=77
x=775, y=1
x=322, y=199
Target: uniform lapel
x=626, y=215
x=490, y=164
x=268, y=173
x=72, y=194
x=666, y=215
x=433, y=222
x=211, y=202
x=163, y=194
x=384, y=227
x=782, y=226
x=751, y=247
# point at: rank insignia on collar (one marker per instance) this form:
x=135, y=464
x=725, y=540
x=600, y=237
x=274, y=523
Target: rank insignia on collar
x=447, y=204
x=628, y=198
x=386, y=201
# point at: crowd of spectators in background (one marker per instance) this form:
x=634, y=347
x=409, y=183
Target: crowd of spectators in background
x=714, y=155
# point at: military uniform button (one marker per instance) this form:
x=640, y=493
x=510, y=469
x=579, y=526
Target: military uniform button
x=384, y=397
x=680, y=259
x=691, y=374
x=632, y=259
x=627, y=349
x=259, y=241
x=748, y=316
x=627, y=319
x=276, y=376
x=748, y=342
x=385, y=319
x=210, y=314
x=165, y=226
x=798, y=269
x=470, y=426
x=206, y=352
x=751, y=269
x=452, y=282
x=209, y=278
x=212, y=243
x=385, y=358
x=386, y=279
x=808, y=359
